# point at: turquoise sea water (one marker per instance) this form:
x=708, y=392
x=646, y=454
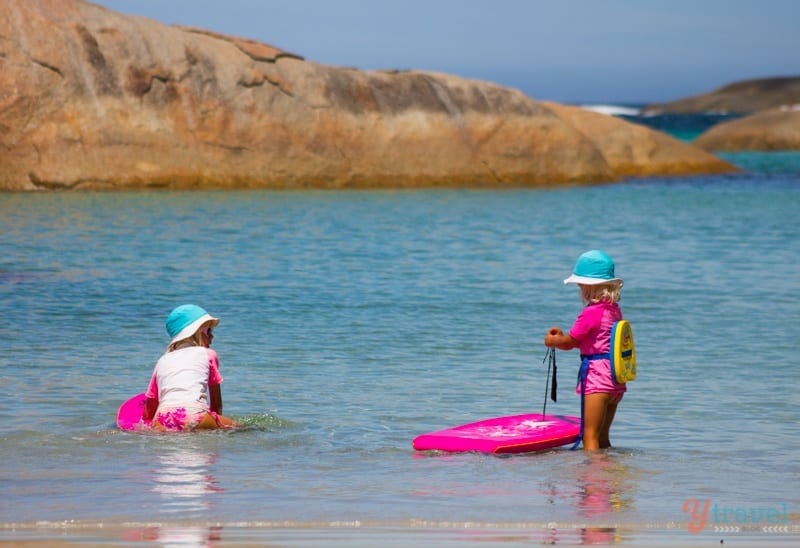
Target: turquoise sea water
x=354, y=321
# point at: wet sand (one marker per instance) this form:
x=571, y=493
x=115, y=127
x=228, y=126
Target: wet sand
x=355, y=534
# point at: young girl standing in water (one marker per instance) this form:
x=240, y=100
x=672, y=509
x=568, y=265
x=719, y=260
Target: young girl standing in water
x=184, y=391
x=591, y=332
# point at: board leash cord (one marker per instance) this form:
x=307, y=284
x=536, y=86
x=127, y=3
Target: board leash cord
x=582, y=379
x=550, y=358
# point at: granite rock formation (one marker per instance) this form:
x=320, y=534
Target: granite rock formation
x=770, y=130
x=92, y=99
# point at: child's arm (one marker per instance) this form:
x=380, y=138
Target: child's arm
x=150, y=408
x=216, y=398
x=151, y=403
x=555, y=338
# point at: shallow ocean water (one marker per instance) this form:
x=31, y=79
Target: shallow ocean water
x=354, y=321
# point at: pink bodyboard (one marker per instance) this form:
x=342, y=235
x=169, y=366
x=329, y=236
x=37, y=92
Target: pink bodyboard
x=514, y=434
x=129, y=416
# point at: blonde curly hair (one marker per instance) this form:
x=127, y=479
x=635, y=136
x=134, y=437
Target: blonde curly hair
x=598, y=293
x=194, y=340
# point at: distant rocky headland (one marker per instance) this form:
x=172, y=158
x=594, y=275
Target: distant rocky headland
x=771, y=106
x=745, y=97
x=92, y=99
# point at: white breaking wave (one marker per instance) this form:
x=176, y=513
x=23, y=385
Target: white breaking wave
x=612, y=110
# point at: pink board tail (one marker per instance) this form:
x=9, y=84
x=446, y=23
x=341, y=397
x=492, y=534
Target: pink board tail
x=129, y=416
x=514, y=434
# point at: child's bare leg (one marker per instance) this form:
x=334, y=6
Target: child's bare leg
x=605, y=429
x=225, y=422
x=595, y=407
x=209, y=422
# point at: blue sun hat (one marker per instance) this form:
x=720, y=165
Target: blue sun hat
x=593, y=268
x=185, y=320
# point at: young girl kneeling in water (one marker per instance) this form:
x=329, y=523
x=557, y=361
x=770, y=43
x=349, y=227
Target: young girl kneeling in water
x=184, y=391
x=591, y=332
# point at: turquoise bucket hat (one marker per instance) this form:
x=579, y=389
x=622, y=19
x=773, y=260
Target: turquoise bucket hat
x=185, y=320
x=593, y=268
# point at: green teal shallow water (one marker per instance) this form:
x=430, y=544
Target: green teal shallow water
x=354, y=321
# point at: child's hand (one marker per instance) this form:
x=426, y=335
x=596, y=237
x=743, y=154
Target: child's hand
x=552, y=337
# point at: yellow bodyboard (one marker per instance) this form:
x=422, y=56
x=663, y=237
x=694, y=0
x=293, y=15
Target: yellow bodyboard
x=623, y=353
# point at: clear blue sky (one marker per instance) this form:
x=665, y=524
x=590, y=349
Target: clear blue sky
x=570, y=51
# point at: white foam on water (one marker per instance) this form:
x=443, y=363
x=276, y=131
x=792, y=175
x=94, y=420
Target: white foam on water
x=612, y=110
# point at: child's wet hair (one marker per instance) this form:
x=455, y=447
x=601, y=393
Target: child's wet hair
x=194, y=340
x=599, y=293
